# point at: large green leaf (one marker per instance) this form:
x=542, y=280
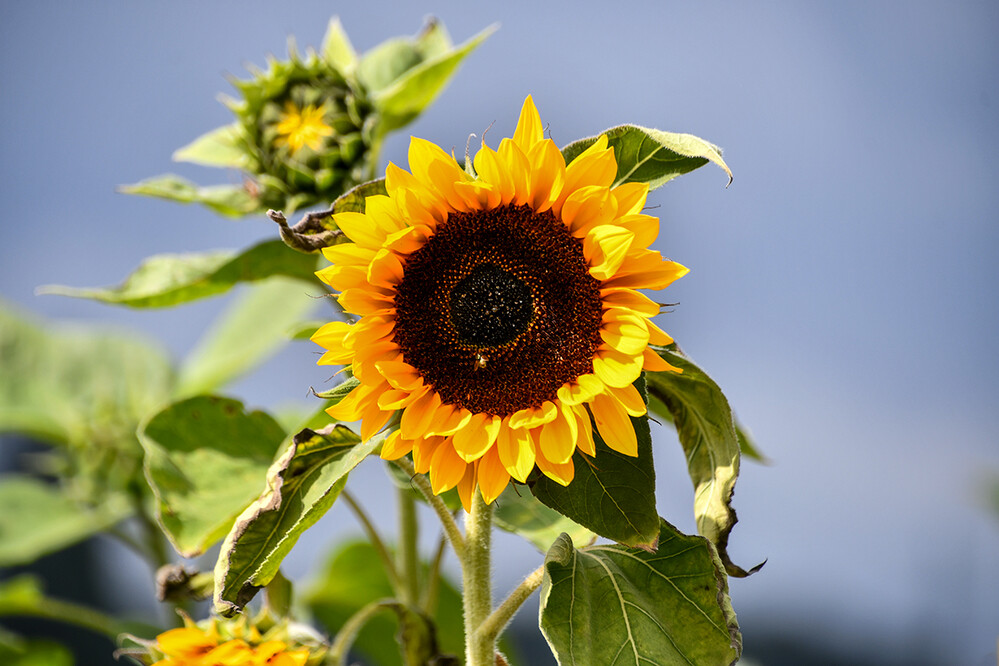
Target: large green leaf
x=228, y=200
x=611, y=606
x=652, y=156
x=218, y=148
x=206, y=460
x=519, y=512
x=352, y=578
x=302, y=484
x=171, y=279
x=747, y=444
x=704, y=423
x=613, y=494
x=408, y=95
x=31, y=652
x=249, y=331
x=37, y=519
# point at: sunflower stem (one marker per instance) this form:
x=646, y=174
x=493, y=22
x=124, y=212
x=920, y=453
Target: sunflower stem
x=480, y=649
x=348, y=632
x=440, y=508
x=493, y=625
x=409, y=535
x=376, y=542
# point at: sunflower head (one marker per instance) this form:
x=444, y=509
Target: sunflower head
x=499, y=312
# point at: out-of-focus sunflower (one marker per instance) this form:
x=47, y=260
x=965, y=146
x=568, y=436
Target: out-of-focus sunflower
x=498, y=312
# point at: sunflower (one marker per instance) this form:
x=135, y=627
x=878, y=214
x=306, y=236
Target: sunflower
x=499, y=312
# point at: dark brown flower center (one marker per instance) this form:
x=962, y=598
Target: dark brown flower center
x=498, y=310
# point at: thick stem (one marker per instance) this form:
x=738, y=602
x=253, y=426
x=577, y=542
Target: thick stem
x=480, y=650
x=495, y=623
x=447, y=520
x=409, y=535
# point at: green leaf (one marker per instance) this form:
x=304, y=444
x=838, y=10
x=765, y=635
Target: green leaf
x=206, y=460
x=704, y=423
x=352, y=578
x=164, y=280
x=353, y=199
x=304, y=330
x=519, y=512
x=652, y=156
x=219, y=148
x=337, y=49
x=227, y=200
x=611, y=494
x=613, y=605
x=37, y=519
x=249, y=331
x=301, y=486
x=407, y=96
x=17, y=651
x=747, y=444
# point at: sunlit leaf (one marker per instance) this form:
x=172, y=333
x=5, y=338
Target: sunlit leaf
x=218, y=148
x=302, y=484
x=613, y=605
x=206, y=459
x=248, y=332
x=652, y=156
x=171, y=279
x=337, y=49
x=228, y=200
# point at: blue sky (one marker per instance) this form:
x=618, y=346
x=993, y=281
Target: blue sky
x=840, y=290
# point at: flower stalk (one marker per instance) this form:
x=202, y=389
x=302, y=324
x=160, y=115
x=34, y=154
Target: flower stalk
x=480, y=648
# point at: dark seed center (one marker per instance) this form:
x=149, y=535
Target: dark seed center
x=490, y=307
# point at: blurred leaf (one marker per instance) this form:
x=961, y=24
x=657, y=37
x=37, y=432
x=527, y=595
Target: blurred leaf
x=171, y=279
x=612, y=494
x=652, y=156
x=17, y=651
x=249, y=331
x=304, y=330
x=301, y=486
x=408, y=95
x=352, y=578
x=206, y=460
x=37, y=519
x=337, y=49
x=518, y=511
x=613, y=605
x=704, y=423
x=218, y=148
x=227, y=200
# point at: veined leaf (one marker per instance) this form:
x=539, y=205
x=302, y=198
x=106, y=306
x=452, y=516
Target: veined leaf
x=302, y=484
x=249, y=331
x=652, y=156
x=218, y=148
x=613, y=605
x=171, y=279
x=206, y=460
x=747, y=444
x=704, y=423
x=613, y=494
x=519, y=512
x=227, y=200
x=37, y=519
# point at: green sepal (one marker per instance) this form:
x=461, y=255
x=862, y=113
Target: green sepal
x=206, y=458
x=612, y=494
x=227, y=200
x=706, y=429
x=164, y=280
x=613, y=605
x=36, y=519
x=337, y=49
x=340, y=391
x=222, y=147
x=652, y=156
x=301, y=486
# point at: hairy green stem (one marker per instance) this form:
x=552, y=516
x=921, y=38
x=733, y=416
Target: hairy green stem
x=409, y=535
x=491, y=628
x=348, y=633
x=480, y=649
x=447, y=520
x=69, y=613
x=376, y=542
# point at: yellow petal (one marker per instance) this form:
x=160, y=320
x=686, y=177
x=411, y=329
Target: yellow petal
x=547, y=175
x=396, y=447
x=581, y=390
x=365, y=302
x=423, y=452
x=493, y=170
x=653, y=362
x=351, y=406
x=630, y=399
x=331, y=334
x=360, y=229
x=479, y=195
x=657, y=336
x=531, y=417
x=385, y=270
x=594, y=166
x=409, y=240
x=646, y=270
x=605, y=248
x=476, y=437
x=373, y=419
x=446, y=468
x=349, y=254
x=617, y=369
x=625, y=331
x=519, y=169
x=466, y=487
x=589, y=207
x=419, y=414
x=645, y=228
x=529, y=129
x=584, y=441
x=561, y=473
x=450, y=419
x=629, y=299
x=400, y=375
x=516, y=451
x=491, y=475
x=614, y=425
x=558, y=438
x=631, y=197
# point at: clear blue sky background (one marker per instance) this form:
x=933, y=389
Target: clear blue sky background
x=841, y=290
